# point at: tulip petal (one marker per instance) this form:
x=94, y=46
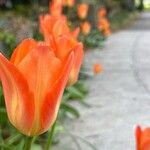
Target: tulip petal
x=18, y=98
x=75, y=32
x=78, y=57
x=145, y=139
x=52, y=100
x=56, y=8
x=138, y=133
x=52, y=26
x=42, y=69
x=40, y=66
x=60, y=28
x=22, y=50
x=65, y=44
x=46, y=23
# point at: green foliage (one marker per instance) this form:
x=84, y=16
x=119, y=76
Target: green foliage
x=121, y=19
x=93, y=40
x=76, y=93
x=70, y=109
x=37, y=36
x=9, y=42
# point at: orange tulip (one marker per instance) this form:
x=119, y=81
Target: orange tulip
x=63, y=41
x=48, y=21
x=33, y=82
x=48, y=25
x=103, y=23
x=55, y=31
x=86, y=28
x=107, y=32
x=56, y=8
x=55, y=25
x=64, y=2
x=62, y=46
x=53, y=28
x=104, y=26
x=102, y=12
x=97, y=68
x=142, y=138
x=69, y=3
x=82, y=10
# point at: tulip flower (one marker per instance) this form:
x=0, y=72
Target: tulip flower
x=97, y=68
x=107, y=32
x=69, y=3
x=86, y=28
x=53, y=28
x=52, y=25
x=33, y=83
x=142, y=138
x=82, y=10
x=58, y=35
x=56, y=8
x=49, y=20
x=104, y=26
x=102, y=12
x=62, y=46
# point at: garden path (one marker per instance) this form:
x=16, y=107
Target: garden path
x=120, y=95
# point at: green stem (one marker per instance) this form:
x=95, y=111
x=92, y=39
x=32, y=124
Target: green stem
x=1, y=138
x=28, y=143
x=50, y=138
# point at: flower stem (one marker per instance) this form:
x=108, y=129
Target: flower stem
x=50, y=138
x=28, y=143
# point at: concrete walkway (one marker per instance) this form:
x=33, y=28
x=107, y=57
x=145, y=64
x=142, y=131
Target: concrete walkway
x=120, y=96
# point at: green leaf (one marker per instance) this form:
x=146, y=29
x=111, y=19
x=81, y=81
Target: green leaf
x=66, y=96
x=58, y=129
x=13, y=139
x=1, y=91
x=36, y=147
x=81, y=87
x=3, y=118
x=75, y=93
x=70, y=109
x=21, y=145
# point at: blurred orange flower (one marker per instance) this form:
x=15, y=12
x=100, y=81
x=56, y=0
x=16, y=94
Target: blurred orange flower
x=56, y=8
x=33, y=82
x=86, y=28
x=55, y=24
x=142, y=138
x=102, y=12
x=55, y=27
x=103, y=22
x=82, y=10
x=107, y=32
x=97, y=68
x=104, y=26
x=69, y=3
